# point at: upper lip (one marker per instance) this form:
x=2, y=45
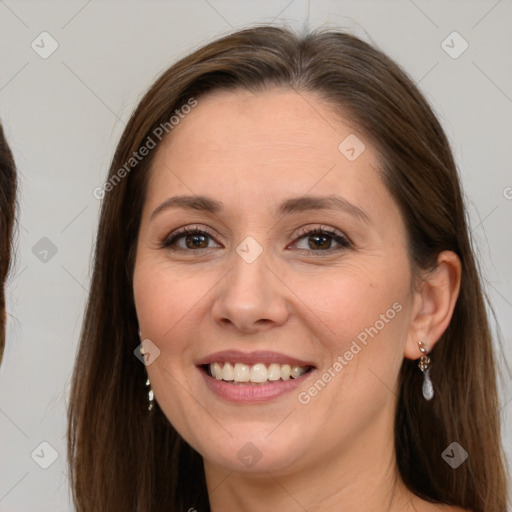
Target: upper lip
x=250, y=358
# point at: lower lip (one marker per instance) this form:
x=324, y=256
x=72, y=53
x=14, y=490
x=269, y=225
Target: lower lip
x=252, y=393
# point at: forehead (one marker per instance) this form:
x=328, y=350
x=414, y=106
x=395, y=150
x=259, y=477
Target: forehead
x=277, y=124
x=251, y=149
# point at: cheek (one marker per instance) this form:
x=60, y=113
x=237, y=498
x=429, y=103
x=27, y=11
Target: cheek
x=362, y=331
x=349, y=301
x=361, y=335
x=164, y=296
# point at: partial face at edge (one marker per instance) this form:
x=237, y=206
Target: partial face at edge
x=315, y=298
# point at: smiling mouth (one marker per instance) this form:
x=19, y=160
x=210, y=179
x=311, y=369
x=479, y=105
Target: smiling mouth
x=259, y=373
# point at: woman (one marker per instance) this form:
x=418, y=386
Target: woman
x=283, y=244
x=7, y=209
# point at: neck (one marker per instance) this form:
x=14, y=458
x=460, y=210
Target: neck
x=363, y=478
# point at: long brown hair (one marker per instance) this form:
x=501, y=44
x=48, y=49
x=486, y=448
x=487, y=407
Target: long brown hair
x=124, y=458
x=8, y=183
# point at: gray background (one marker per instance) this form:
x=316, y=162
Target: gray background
x=63, y=116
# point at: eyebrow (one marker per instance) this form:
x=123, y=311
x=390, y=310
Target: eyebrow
x=289, y=206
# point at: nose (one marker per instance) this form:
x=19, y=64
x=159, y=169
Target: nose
x=252, y=297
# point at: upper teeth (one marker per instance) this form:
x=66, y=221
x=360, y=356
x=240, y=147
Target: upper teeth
x=256, y=373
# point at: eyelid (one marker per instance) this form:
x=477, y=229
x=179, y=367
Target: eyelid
x=305, y=230
x=183, y=231
x=344, y=242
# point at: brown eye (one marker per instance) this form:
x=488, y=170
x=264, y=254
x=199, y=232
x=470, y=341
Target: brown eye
x=193, y=239
x=321, y=240
x=198, y=241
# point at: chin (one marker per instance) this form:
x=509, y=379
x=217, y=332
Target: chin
x=255, y=454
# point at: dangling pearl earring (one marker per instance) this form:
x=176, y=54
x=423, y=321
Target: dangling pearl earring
x=151, y=395
x=424, y=366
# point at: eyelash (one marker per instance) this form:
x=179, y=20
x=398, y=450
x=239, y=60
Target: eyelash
x=170, y=241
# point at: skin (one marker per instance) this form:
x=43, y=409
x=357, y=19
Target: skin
x=251, y=152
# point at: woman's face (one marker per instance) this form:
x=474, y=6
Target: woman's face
x=253, y=289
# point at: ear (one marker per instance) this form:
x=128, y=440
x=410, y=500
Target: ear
x=433, y=303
